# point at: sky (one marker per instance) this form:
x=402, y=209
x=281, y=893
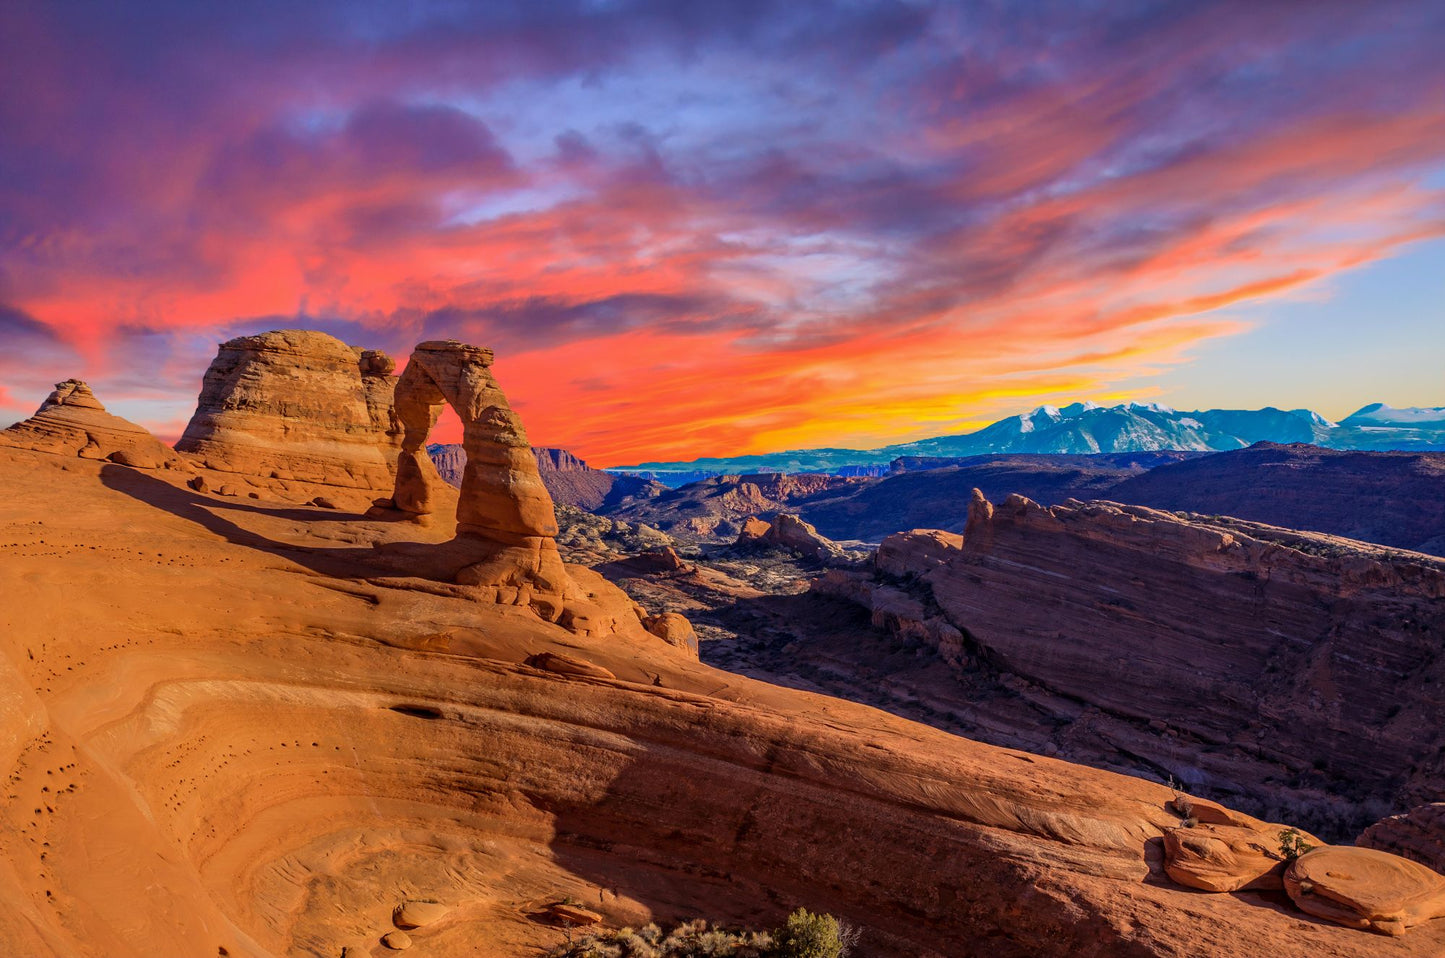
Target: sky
x=697, y=228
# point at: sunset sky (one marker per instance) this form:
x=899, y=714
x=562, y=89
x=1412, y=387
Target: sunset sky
x=715, y=228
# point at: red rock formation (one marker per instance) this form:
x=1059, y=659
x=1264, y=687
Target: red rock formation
x=788, y=533
x=72, y=422
x=297, y=405
x=714, y=509
x=252, y=735
x=1365, y=888
x=1418, y=835
x=1301, y=660
x=506, y=524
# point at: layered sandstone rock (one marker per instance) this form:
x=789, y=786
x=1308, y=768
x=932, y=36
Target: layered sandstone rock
x=1418, y=835
x=72, y=422
x=1365, y=888
x=258, y=737
x=789, y=533
x=297, y=405
x=1294, y=671
x=506, y=525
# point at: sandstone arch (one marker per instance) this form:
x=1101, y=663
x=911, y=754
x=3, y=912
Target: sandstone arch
x=505, y=515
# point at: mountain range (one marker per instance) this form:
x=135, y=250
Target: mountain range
x=1084, y=428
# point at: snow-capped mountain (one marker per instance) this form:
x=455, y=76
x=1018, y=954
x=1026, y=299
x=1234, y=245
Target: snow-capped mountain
x=1086, y=427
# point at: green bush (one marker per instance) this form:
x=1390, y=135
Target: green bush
x=1292, y=844
x=807, y=935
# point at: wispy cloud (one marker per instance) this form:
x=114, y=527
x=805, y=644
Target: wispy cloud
x=696, y=228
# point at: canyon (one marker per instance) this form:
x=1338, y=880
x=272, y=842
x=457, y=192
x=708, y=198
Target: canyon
x=320, y=701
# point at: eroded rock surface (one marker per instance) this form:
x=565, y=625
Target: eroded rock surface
x=789, y=533
x=1365, y=888
x=506, y=524
x=297, y=405
x=72, y=422
x=289, y=735
x=1418, y=835
x=1223, y=652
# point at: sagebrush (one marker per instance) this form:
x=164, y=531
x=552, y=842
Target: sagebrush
x=803, y=935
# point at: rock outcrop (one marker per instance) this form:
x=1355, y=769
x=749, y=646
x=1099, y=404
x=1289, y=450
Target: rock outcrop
x=1418, y=835
x=715, y=509
x=788, y=533
x=1226, y=653
x=297, y=405
x=72, y=422
x=1390, y=498
x=506, y=524
x=1365, y=888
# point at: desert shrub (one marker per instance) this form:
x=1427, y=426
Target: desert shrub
x=805, y=935
x=1292, y=844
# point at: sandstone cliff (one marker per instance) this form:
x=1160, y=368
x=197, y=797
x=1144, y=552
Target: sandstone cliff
x=1296, y=673
x=1418, y=835
x=297, y=405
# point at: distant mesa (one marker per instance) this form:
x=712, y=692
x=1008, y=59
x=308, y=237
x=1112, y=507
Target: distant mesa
x=72, y=422
x=569, y=480
x=297, y=405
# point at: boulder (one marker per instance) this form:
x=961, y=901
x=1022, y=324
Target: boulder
x=417, y=914
x=72, y=422
x=917, y=552
x=1223, y=858
x=573, y=915
x=396, y=940
x=789, y=533
x=661, y=561
x=297, y=405
x=674, y=629
x=1365, y=888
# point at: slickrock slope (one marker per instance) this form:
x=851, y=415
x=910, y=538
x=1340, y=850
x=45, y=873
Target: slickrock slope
x=72, y=422
x=257, y=730
x=297, y=405
x=1299, y=672
x=569, y=480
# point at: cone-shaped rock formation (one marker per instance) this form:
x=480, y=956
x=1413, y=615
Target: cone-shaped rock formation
x=72, y=421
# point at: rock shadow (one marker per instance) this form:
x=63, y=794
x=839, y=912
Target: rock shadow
x=438, y=561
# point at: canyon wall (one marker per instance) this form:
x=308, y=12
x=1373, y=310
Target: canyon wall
x=1246, y=660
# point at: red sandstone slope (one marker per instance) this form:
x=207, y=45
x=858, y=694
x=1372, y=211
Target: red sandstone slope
x=243, y=703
